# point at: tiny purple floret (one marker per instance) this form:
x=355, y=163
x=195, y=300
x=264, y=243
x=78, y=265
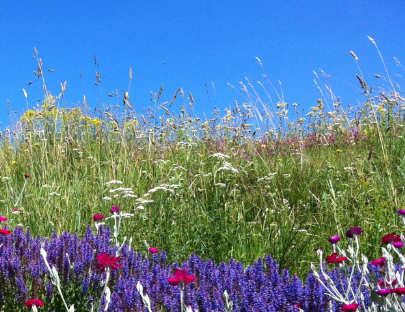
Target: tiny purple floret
x=334, y=239
x=401, y=212
x=354, y=231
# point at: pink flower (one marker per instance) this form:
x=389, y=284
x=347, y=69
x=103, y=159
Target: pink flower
x=379, y=262
x=333, y=258
x=4, y=232
x=401, y=212
x=98, y=217
x=334, y=239
x=398, y=244
x=3, y=219
x=105, y=260
x=153, y=250
x=349, y=307
x=34, y=302
x=384, y=292
x=388, y=283
x=180, y=276
x=27, y=176
x=115, y=209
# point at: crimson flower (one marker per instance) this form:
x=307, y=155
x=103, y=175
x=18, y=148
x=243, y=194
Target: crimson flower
x=180, y=276
x=379, y=262
x=105, y=260
x=98, y=217
x=3, y=219
x=333, y=258
x=391, y=238
x=399, y=291
x=34, y=302
x=354, y=231
x=4, y=232
x=153, y=250
x=115, y=209
x=349, y=307
x=26, y=175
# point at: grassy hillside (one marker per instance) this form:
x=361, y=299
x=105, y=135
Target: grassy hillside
x=231, y=186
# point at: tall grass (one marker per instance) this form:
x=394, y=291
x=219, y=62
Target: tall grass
x=244, y=184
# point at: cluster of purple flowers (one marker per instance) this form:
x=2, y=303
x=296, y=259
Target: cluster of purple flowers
x=259, y=287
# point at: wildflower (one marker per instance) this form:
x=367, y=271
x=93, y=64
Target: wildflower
x=399, y=291
x=3, y=219
x=401, y=212
x=379, y=262
x=105, y=260
x=333, y=258
x=4, y=232
x=98, y=217
x=26, y=175
x=349, y=307
x=354, y=231
x=34, y=302
x=398, y=244
x=180, y=276
x=391, y=238
x=383, y=283
x=115, y=209
x=153, y=250
x=334, y=239
x=15, y=210
x=384, y=292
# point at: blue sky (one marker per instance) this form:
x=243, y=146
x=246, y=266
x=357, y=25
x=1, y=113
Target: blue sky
x=197, y=45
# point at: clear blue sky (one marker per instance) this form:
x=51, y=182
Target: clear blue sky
x=194, y=43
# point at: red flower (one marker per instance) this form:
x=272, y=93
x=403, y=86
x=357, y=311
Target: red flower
x=3, y=219
x=350, y=307
x=31, y=302
x=180, y=276
x=333, y=258
x=399, y=291
x=379, y=262
x=105, y=260
x=4, y=232
x=391, y=238
x=26, y=175
x=153, y=250
x=98, y=217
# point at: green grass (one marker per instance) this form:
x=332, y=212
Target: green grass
x=281, y=191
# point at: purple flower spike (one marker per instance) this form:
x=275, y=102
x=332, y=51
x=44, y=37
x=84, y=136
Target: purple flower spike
x=354, y=231
x=401, y=212
x=334, y=239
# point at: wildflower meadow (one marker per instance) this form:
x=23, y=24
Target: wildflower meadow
x=262, y=207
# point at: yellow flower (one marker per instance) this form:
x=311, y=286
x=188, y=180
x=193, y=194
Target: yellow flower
x=339, y=150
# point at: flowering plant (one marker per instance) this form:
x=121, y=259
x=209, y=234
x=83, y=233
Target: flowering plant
x=381, y=279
